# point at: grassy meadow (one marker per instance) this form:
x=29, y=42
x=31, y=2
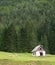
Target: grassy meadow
x=25, y=59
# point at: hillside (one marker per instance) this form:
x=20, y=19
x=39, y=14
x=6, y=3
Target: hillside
x=27, y=23
x=25, y=59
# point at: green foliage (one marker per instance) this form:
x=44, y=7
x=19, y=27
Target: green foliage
x=27, y=23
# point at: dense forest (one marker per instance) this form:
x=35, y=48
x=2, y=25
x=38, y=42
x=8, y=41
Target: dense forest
x=26, y=23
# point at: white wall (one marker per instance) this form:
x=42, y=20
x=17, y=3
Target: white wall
x=44, y=53
x=38, y=53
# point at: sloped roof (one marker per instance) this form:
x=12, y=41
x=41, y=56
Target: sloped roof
x=35, y=49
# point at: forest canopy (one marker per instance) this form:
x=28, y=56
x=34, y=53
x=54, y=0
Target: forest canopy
x=26, y=23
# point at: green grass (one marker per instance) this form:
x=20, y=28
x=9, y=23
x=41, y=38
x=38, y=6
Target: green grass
x=25, y=59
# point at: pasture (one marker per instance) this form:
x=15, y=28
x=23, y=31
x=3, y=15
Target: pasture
x=25, y=59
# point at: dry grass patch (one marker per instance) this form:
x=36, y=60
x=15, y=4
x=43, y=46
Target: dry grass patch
x=9, y=62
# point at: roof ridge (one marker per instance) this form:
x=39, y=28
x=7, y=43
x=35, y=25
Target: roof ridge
x=36, y=48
